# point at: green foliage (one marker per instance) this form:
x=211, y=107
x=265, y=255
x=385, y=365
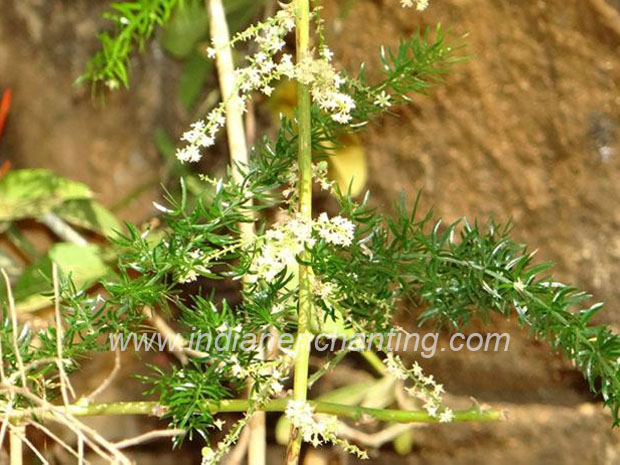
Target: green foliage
x=134, y=23
x=85, y=319
x=184, y=24
x=465, y=270
x=415, y=66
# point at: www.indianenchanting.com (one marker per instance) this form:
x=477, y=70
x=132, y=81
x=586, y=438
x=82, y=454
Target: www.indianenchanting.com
x=232, y=341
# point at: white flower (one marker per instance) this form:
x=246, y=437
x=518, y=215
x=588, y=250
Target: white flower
x=190, y=153
x=383, y=100
x=208, y=456
x=446, y=416
x=276, y=387
x=325, y=83
x=262, y=70
x=519, y=285
x=394, y=368
x=419, y=4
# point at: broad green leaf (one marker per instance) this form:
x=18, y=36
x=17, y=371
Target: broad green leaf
x=84, y=263
x=88, y=214
x=32, y=193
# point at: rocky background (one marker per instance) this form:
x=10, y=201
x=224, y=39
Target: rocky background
x=527, y=130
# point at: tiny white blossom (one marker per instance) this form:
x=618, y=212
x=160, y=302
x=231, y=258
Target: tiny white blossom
x=383, y=100
x=446, y=416
x=519, y=285
x=419, y=4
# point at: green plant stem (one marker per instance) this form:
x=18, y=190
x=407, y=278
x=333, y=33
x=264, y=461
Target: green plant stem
x=374, y=361
x=474, y=414
x=302, y=347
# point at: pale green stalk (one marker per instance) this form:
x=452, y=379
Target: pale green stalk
x=302, y=347
x=474, y=414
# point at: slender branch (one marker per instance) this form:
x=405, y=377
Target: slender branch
x=473, y=414
x=150, y=436
x=14, y=326
x=107, y=382
x=62, y=229
x=375, y=440
x=302, y=347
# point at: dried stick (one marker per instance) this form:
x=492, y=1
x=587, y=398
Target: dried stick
x=109, y=379
x=62, y=229
x=55, y=438
x=220, y=37
x=237, y=454
x=150, y=436
x=375, y=440
x=16, y=435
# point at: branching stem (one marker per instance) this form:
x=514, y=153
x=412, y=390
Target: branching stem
x=474, y=414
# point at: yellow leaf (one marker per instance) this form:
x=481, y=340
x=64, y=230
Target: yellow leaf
x=348, y=165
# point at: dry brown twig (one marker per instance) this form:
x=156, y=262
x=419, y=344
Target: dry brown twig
x=106, y=383
x=150, y=436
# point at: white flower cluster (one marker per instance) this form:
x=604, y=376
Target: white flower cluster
x=264, y=67
x=336, y=230
x=419, y=4
x=325, y=290
x=325, y=83
x=276, y=370
x=262, y=70
x=281, y=245
x=317, y=429
x=313, y=431
x=425, y=388
x=280, y=248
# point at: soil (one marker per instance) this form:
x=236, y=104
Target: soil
x=527, y=130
